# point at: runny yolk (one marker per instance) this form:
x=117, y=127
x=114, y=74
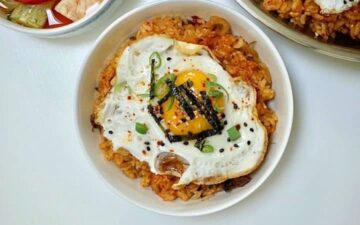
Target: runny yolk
x=175, y=117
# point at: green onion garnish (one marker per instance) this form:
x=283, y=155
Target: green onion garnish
x=217, y=108
x=171, y=103
x=214, y=93
x=213, y=77
x=161, y=89
x=211, y=84
x=157, y=57
x=207, y=148
x=233, y=133
x=120, y=86
x=144, y=95
x=141, y=128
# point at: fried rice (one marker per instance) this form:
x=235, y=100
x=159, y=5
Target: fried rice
x=306, y=15
x=238, y=58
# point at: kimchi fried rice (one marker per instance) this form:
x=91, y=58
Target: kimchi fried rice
x=306, y=14
x=237, y=57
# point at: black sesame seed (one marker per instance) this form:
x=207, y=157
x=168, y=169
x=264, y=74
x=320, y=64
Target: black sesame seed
x=185, y=142
x=225, y=122
x=146, y=142
x=221, y=150
x=236, y=145
x=148, y=148
x=228, y=139
x=235, y=105
x=111, y=132
x=248, y=142
x=245, y=124
x=252, y=129
x=168, y=58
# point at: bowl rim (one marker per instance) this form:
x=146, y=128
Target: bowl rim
x=104, y=5
x=335, y=51
x=288, y=123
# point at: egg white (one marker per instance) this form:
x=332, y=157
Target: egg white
x=120, y=113
x=335, y=6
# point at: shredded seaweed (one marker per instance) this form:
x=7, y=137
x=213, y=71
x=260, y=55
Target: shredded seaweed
x=205, y=109
x=183, y=103
x=212, y=113
x=152, y=112
x=152, y=81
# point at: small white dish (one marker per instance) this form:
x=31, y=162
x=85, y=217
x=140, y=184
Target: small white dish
x=107, y=44
x=105, y=8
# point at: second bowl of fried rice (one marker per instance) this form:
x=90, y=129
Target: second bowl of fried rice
x=256, y=61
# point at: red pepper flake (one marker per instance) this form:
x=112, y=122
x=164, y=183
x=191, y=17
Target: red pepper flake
x=129, y=97
x=237, y=126
x=161, y=143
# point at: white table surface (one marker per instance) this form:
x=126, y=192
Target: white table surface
x=44, y=178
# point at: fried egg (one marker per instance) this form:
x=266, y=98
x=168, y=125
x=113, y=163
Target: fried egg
x=335, y=6
x=236, y=147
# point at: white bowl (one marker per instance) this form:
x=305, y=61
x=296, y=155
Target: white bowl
x=105, y=9
x=105, y=46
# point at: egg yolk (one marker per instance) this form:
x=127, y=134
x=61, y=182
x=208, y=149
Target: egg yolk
x=175, y=117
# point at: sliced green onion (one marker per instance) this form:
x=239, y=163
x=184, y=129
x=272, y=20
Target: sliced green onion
x=161, y=89
x=215, y=93
x=207, y=149
x=233, y=133
x=144, y=95
x=213, y=77
x=171, y=103
x=120, y=86
x=216, y=107
x=157, y=57
x=210, y=84
x=152, y=79
x=141, y=128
